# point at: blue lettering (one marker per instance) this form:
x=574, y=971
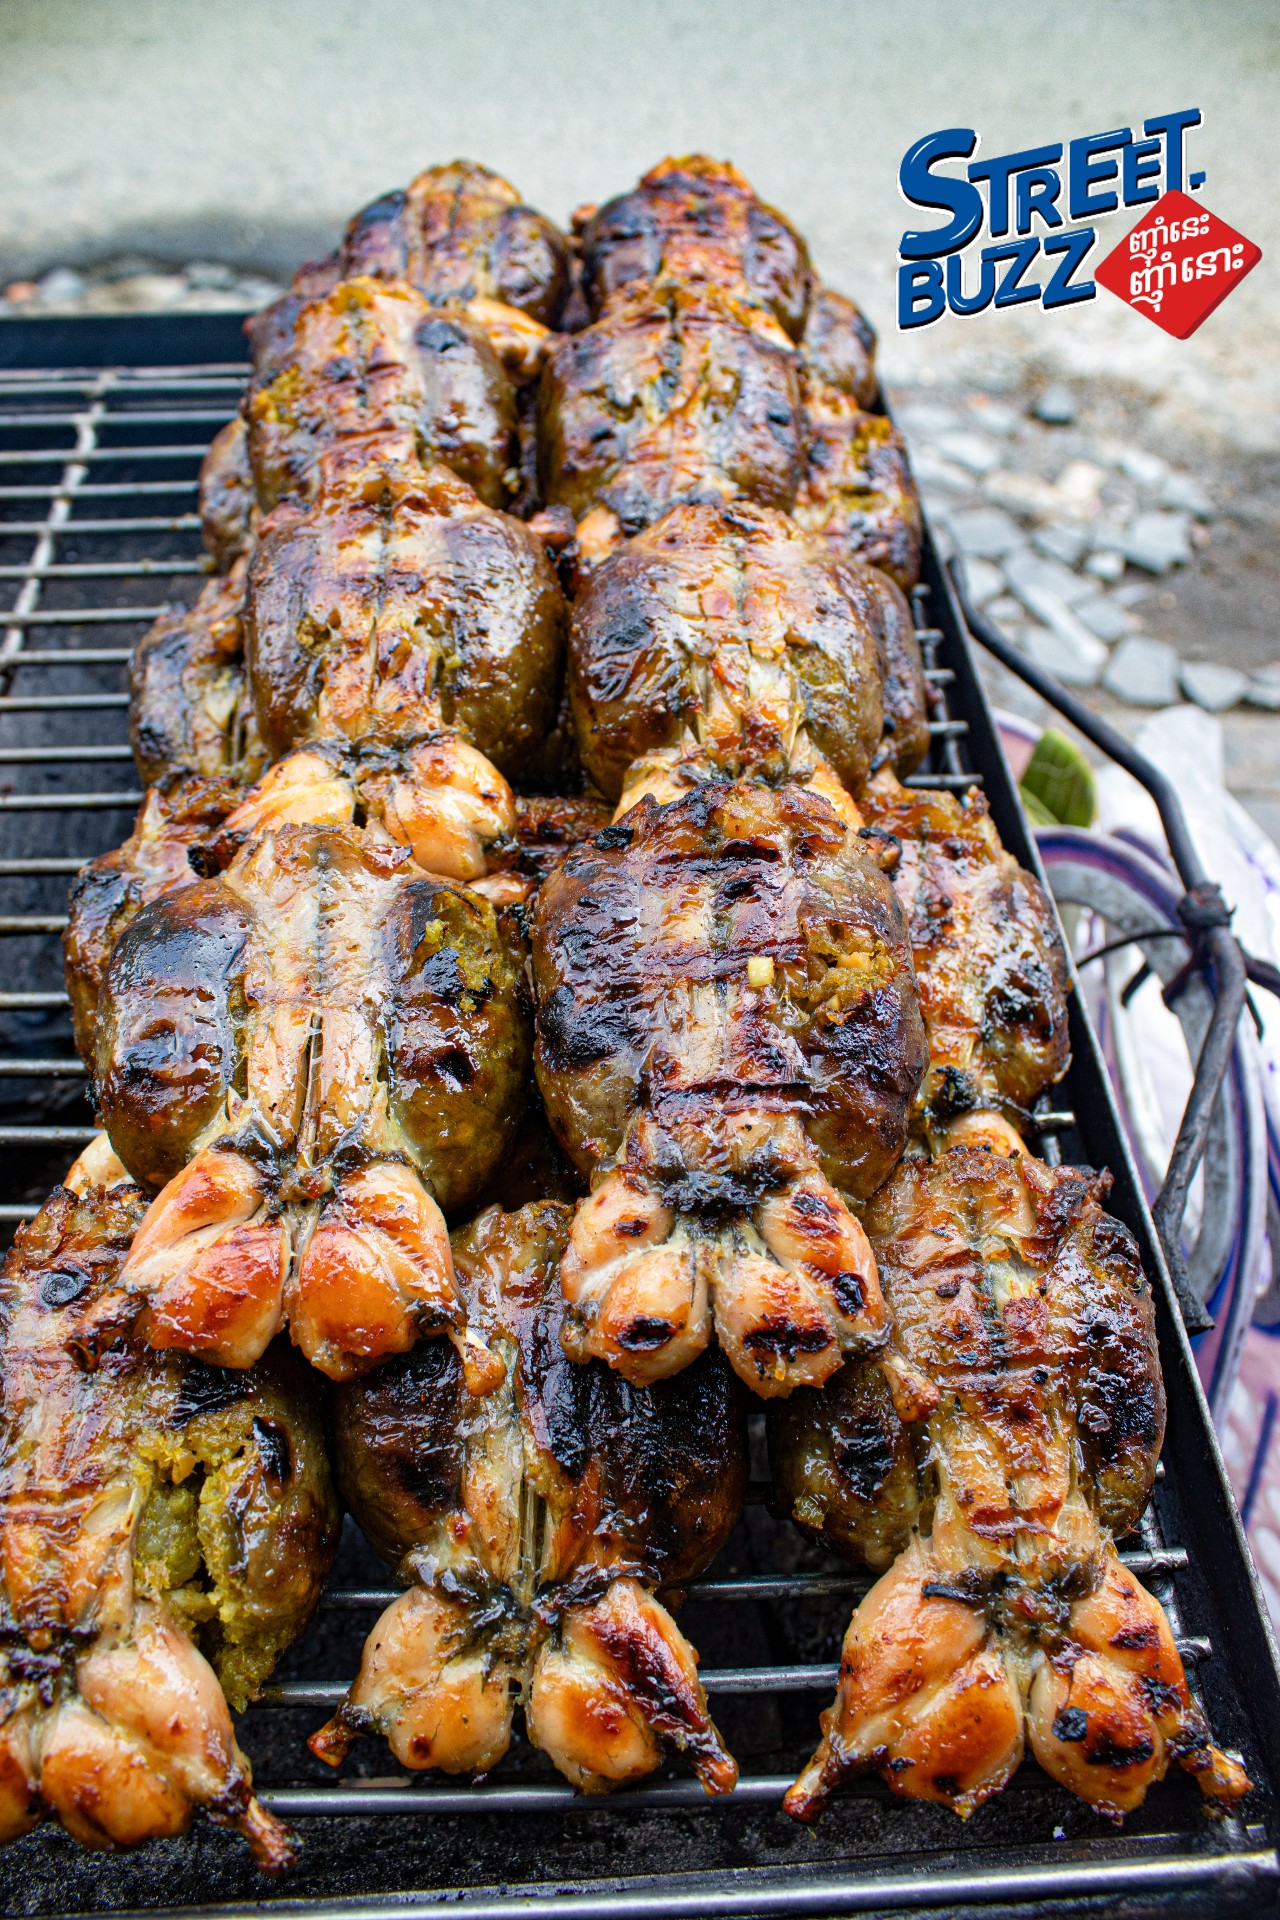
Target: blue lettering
x=920, y=284
x=1172, y=126
x=1140, y=162
x=996, y=173
x=1073, y=247
x=1087, y=169
x=923, y=188
x=1019, y=254
x=1036, y=191
x=957, y=299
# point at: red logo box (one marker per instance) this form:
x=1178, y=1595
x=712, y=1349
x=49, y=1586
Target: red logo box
x=1178, y=264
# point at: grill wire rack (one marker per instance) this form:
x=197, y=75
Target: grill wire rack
x=102, y=428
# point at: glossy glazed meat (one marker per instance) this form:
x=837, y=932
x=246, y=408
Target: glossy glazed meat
x=532, y=1531
x=311, y=1053
x=857, y=490
x=397, y=605
x=671, y=395
x=228, y=495
x=108, y=892
x=372, y=357
x=989, y=961
x=727, y=1031
x=723, y=640
x=149, y=1507
x=839, y=347
x=696, y=222
x=190, y=708
x=1013, y=1436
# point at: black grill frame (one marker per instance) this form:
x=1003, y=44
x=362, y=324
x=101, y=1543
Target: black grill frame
x=661, y=1849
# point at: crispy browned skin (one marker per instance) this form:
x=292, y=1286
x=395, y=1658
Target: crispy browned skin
x=724, y=639
x=532, y=1533
x=460, y=233
x=839, y=347
x=727, y=1017
x=107, y=892
x=315, y=1050
x=147, y=1507
x=190, y=709
x=857, y=490
x=228, y=497
x=1019, y=1434
x=989, y=962
x=397, y=604
x=903, y=691
x=670, y=395
x=373, y=356
x=696, y=221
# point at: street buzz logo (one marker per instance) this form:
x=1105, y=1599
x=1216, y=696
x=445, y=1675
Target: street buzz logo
x=1176, y=266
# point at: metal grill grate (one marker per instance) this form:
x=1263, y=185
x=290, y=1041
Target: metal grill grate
x=97, y=531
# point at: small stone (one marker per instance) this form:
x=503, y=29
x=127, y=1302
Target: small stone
x=1133, y=591
x=1025, y=570
x=1213, y=687
x=985, y=581
x=1180, y=490
x=1068, y=652
x=975, y=452
x=1107, y=564
x=1079, y=484
x=994, y=417
x=1148, y=469
x=1143, y=672
x=1104, y=618
x=1108, y=534
x=931, y=470
x=1063, y=540
x=1006, y=611
x=210, y=276
x=1263, y=689
x=1055, y=406
x=19, y=293
x=60, y=286
x=922, y=418
x=1024, y=493
x=986, y=533
x=1157, y=541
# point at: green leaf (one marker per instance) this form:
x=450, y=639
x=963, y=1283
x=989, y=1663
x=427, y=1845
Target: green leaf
x=1058, y=786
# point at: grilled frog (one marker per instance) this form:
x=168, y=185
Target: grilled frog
x=165, y=1530
x=532, y=1532
x=1008, y=1436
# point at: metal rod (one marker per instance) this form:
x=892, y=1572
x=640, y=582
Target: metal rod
x=12, y=1002
x=60, y=702
x=32, y=922
x=71, y=657
x=67, y=802
x=154, y=523
x=951, y=782
x=42, y=1069
x=178, y=417
x=102, y=490
x=56, y=756
x=101, y=569
x=52, y=456
x=82, y=616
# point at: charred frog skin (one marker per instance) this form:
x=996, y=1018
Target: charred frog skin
x=154, y=1513
x=311, y=1054
x=1015, y=1438
x=534, y=1529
